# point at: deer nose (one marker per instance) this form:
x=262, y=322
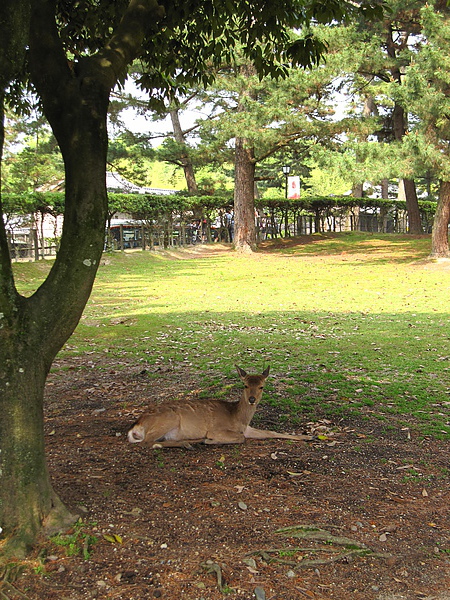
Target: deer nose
x=252, y=399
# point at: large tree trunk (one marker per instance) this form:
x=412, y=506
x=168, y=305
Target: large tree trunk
x=399, y=126
x=34, y=329
x=244, y=198
x=186, y=161
x=439, y=238
x=27, y=499
x=14, y=26
x=408, y=187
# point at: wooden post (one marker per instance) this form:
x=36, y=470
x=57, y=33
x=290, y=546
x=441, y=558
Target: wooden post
x=122, y=245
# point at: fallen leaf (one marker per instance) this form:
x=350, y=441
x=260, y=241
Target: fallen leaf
x=252, y=570
x=113, y=538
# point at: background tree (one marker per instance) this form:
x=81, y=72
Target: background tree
x=130, y=155
x=181, y=151
x=427, y=93
x=373, y=56
x=38, y=162
x=263, y=122
x=175, y=148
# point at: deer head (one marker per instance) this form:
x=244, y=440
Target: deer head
x=253, y=385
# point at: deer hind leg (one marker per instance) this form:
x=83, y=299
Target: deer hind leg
x=265, y=434
x=156, y=427
x=177, y=443
x=219, y=438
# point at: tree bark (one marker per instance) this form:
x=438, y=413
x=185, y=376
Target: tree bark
x=399, y=127
x=34, y=329
x=357, y=190
x=185, y=159
x=244, y=200
x=439, y=237
x=408, y=185
x=412, y=206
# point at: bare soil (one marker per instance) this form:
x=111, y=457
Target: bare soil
x=205, y=523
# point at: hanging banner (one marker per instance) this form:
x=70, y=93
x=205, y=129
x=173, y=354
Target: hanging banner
x=293, y=187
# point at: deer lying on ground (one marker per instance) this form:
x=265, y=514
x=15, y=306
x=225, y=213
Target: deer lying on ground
x=207, y=421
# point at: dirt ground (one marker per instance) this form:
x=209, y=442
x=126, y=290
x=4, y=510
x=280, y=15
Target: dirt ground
x=365, y=513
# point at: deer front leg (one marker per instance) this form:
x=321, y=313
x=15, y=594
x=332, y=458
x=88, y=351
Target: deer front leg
x=265, y=434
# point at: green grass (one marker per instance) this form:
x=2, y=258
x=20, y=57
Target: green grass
x=349, y=323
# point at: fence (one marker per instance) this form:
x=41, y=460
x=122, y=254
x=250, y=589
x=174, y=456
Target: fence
x=181, y=220
x=273, y=219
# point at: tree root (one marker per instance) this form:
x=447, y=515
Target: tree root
x=59, y=518
x=9, y=573
x=312, y=532
x=348, y=548
x=212, y=567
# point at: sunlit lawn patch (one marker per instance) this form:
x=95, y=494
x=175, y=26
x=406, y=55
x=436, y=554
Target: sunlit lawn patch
x=347, y=322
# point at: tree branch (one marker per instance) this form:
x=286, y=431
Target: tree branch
x=8, y=293
x=140, y=18
x=75, y=99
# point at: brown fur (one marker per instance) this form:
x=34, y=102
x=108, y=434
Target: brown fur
x=206, y=421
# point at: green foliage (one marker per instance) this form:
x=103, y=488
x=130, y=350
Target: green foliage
x=172, y=151
x=205, y=33
x=37, y=163
x=426, y=93
x=25, y=204
x=130, y=156
x=179, y=47
x=325, y=183
x=149, y=207
x=79, y=542
x=146, y=206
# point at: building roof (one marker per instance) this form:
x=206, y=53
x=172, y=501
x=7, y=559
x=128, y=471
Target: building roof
x=117, y=183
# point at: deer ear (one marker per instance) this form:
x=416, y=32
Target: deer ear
x=266, y=372
x=241, y=372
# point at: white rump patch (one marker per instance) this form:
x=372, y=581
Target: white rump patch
x=136, y=434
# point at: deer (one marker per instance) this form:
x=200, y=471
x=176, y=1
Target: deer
x=215, y=422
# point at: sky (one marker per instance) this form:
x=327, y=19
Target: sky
x=144, y=124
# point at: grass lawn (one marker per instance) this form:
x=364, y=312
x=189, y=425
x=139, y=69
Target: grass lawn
x=350, y=323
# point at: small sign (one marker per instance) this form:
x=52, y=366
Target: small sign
x=293, y=187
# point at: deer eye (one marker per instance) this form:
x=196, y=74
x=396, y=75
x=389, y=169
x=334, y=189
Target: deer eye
x=261, y=388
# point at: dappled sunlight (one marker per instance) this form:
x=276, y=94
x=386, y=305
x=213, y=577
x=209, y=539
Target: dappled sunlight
x=355, y=281
x=369, y=247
